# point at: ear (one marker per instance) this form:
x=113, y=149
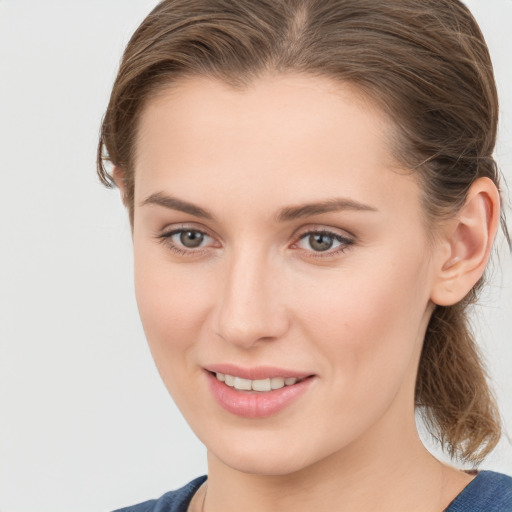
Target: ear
x=119, y=179
x=466, y=244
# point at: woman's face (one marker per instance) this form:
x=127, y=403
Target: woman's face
x=276, y=238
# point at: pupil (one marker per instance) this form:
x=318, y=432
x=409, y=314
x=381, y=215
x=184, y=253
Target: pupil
x=320, y=242
x=191, y=238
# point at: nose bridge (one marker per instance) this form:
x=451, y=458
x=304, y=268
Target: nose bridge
x=249, y=308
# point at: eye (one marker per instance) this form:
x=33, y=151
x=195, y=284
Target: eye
x=186, y=240
x=189, y=238
x=319, y=243
x=324, y=242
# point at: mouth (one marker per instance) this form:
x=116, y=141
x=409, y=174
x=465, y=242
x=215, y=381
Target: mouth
x=258, y=392
x=258, y=385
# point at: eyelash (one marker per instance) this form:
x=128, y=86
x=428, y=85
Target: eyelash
x=345, y=242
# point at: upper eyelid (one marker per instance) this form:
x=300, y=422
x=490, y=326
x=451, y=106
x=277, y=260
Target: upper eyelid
x=343, y=233
x=168, y=231
x=297, y=234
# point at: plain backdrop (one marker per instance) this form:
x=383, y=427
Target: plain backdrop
x=85, y=423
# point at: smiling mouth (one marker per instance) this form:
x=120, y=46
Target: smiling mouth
x=268, y=392
x=260, y=385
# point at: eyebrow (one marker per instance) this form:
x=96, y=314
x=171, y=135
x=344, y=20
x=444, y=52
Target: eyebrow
x=330, y=205
x=174, y=203
x=286, y=214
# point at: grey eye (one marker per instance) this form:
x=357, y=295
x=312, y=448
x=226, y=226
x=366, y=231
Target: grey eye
x=320, y=241
x=323, y=241
x=191, y=239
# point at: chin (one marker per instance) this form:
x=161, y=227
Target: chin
x=276, y=464
x=263, y=455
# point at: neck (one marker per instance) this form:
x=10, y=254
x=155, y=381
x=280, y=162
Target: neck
x=399, y=474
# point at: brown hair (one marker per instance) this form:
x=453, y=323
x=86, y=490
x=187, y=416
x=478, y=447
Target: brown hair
x=424, y=62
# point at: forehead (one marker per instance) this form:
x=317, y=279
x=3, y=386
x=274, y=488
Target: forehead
x=283, y=135
x=272, y=107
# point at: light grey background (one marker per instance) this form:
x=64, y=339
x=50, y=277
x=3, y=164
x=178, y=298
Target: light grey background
x=85, y=423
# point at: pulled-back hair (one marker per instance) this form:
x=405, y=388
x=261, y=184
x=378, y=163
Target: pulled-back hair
x=423, y=62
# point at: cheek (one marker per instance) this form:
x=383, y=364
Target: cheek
x=172, y=304
x=369, y=320
x=366, y=329
x=172, y=309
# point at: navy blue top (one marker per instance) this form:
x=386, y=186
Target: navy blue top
x=487, y=492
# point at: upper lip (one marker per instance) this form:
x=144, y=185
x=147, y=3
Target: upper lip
x=255, y=372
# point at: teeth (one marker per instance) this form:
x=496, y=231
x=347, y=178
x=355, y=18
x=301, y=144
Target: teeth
x=261, y=385
x=243, y=384
x=256, y=385
x=277, y=382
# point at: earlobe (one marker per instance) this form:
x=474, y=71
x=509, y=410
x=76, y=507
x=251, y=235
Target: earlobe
x=467, y=243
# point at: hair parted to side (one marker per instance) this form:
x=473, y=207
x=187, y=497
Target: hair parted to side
x=423, y=62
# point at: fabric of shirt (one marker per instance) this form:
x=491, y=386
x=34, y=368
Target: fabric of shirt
x=487, y=492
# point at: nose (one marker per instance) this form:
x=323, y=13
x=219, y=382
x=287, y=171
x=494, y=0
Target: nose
x=250, y=310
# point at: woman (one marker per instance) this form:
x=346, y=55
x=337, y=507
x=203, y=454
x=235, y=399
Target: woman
x=313, y=201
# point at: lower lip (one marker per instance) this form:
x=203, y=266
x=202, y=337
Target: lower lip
x=254, y=404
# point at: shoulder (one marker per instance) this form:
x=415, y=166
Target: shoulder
x=487, y=492
x=173, y=501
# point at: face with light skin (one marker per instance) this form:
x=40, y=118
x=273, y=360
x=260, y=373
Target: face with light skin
x=340, y=291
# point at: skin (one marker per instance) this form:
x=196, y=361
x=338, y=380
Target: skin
x=256, y=293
